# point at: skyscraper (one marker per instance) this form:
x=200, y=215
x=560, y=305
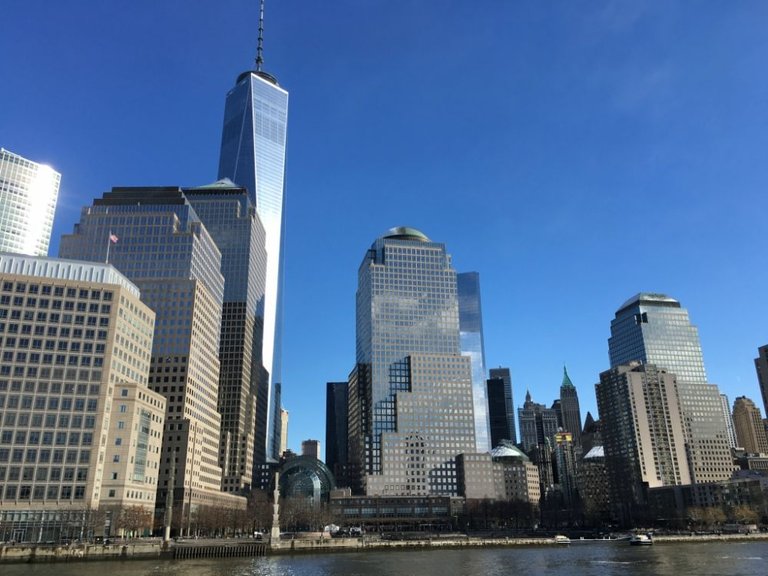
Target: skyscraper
x=644, y=439
x=750, y=430
x=81, y=428
x=28, y=193
x=156, y=239
x=411, y=403
x=564, y=459
x=655, y=329
x=230, y=218
x=497, y=411
x=471, y=341
x=569, y=408
x=336, y=429
x=252, y=155
x=761, y=366
x=728, y=417
x=310, y=448
x=538, y=425
x=509, y=403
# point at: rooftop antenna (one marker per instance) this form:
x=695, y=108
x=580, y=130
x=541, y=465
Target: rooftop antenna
x=260, y=45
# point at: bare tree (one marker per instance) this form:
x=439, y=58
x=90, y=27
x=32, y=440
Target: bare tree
x=259, y=510
x=135, y=520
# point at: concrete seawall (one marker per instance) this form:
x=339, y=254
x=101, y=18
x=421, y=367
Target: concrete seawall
x=148, y=550
x=320, y=545
x=79, y=552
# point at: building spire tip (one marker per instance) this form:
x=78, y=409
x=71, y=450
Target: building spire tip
x=260, y=44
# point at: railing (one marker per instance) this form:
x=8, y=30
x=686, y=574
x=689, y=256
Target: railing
x=239, y=550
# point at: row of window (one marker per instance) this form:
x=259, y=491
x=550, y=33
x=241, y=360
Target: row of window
x=26, y=492
x=59, y=291
x=43, y=474
x=45, y=303
x=55, y=317
x=54, y=387
x=35, y=438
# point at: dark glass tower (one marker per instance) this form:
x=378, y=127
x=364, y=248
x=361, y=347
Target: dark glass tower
x=336, y=429
x=655, y=329
x=509, y=404
x=471, y=339
x=761, y=365
x=497, y=411
x=252, y=155
x=231, y=219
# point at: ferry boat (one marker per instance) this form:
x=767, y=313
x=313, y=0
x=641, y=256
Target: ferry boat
x=560, y=539
x=640, y=540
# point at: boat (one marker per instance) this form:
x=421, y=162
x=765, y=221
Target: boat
x=560, y=539
x=640, y=540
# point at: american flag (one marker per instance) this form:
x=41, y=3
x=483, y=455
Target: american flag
x=113, y=238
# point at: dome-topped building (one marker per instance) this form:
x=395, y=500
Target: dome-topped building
x=406, y=233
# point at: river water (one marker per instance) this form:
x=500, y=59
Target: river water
x=580, y=558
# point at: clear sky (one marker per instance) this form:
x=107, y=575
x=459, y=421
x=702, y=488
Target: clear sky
x=572, y=152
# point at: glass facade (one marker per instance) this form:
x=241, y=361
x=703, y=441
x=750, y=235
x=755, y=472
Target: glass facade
x=413, y=400
x=471, y=341
x=253, y=156
x=761, y=366
x=655, y=329
x=497, y=412
x=509, y=403
x=731, y=431
x=336, y=429
x=28, y=193
x=231, y=219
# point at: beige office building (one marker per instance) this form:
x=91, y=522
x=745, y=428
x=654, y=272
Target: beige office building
x=750, y=431
x=80, y=428
x=644, y=439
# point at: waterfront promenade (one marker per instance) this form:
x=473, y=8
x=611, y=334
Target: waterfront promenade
x=147, y=549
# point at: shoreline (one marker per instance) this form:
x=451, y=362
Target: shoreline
x=309, y=546
x=211, y=549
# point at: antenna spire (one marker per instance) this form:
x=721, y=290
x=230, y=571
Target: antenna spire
x=260, y=45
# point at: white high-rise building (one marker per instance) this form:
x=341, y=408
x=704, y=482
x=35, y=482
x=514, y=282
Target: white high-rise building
x=28, y=193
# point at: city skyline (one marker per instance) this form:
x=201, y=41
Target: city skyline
x=570, y=125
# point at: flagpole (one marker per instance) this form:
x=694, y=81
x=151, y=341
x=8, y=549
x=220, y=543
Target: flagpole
x=109, y=241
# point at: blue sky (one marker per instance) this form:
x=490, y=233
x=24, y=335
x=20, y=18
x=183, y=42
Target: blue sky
x=572, y=152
